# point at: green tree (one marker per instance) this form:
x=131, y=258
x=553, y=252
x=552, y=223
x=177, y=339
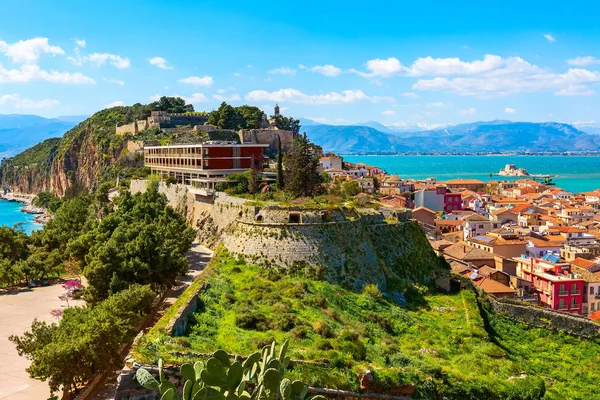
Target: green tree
x=287, y=123
x=86, y=341
x=301, y=168
x=171, y=105
x=280, y=176
x=252, y=116
x=351, y=188
x=143, y=241
x=253, y=178
x=226, y=117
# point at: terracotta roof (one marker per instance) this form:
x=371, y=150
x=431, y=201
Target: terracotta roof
x=425, y=209
x=567, y=229
x=491, y=286
x=465, y=252
x=595, y=316
x=582, y=262
x=464, y=182
x=449, y=222
x=486, y=270
x=437, y=244
x=459, y=267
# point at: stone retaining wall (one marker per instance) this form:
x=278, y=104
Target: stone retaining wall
x=572, y=324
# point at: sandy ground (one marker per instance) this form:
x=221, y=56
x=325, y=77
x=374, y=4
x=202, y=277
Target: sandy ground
x=17, y=310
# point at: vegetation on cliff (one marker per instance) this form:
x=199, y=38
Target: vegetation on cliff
x=441, y=343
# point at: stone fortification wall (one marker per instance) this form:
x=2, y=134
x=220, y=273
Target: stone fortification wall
x=268, y=136
x=340, y=251
x=572, y=324
x=338, y=245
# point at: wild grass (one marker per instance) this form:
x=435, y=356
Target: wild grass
x=439, y=342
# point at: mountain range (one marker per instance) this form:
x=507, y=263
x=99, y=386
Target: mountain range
x=476, y=137
x=19, y=132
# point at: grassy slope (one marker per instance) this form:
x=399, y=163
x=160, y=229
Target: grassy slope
x=439, y=342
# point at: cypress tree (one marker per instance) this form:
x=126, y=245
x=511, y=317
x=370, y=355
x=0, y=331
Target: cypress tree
x=279, y=164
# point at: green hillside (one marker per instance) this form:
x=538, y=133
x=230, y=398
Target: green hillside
x=441, y=343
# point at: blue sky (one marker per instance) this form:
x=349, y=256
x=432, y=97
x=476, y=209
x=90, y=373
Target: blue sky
x=428, y=62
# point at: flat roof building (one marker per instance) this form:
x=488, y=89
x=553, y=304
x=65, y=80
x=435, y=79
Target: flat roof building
x=203, y=165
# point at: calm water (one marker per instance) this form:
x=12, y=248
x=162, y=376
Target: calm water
x=10, y=214
x=573, y=173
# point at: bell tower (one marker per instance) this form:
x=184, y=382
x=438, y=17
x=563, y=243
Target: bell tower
x=276, y=110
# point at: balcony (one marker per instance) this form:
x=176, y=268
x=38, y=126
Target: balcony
x=575, y=292
x=563, y=307
x=563, y=293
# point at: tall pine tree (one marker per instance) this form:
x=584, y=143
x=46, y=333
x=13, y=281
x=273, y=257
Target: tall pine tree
x=301, y=168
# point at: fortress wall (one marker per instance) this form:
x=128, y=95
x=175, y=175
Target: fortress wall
x=352, y=252
x=340, y=252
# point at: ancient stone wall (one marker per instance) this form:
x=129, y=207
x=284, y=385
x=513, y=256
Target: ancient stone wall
x=340, y=251
x=268, y=136
x=337, y=245
x=572, y=324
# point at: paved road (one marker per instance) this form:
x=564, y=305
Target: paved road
x=17, y=311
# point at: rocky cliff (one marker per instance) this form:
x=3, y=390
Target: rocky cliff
x=76, y=162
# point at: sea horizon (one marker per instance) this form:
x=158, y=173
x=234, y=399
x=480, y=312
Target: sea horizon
x=574, y=173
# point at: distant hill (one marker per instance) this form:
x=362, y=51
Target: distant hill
x=19, y=132
x=483, y=136
x=590, y=127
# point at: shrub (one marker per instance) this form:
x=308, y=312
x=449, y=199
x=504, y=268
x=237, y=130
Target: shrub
x=249, y=319
x=322, y=328
x=372, y=291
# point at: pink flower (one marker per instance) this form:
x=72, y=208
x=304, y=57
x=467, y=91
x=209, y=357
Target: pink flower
x=56, y=313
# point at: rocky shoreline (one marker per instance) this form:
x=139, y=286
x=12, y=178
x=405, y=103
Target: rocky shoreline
x=41, y=214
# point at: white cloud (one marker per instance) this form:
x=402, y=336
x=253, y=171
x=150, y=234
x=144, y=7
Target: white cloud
x=550, y=38
x=15, y=101
x=468, y=111
x=115, y=81
x=114, y=60
x=388, y=112
x=193, y=99
x=576, y=90
x=198, y=81
x=160, y=63
x=509, y=110
x=410, y=95
x=296, y=96
x=232, y=97
x=381, y=68
x=583, y=61
x=516, y=76
x=99, y=59
x=237, y=74
x=80, y=43
x=32, y=72
x=30, y=50
x=283, y=71
x=436, y=104
x=327, y=70
x=115, y=104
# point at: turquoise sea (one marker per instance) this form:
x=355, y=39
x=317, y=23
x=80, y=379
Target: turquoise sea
x=573, y=173
x=10, y=214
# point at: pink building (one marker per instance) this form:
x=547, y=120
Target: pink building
x=452, y=202
x=554, y=283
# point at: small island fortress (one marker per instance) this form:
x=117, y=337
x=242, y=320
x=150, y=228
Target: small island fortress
x=511, y=170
